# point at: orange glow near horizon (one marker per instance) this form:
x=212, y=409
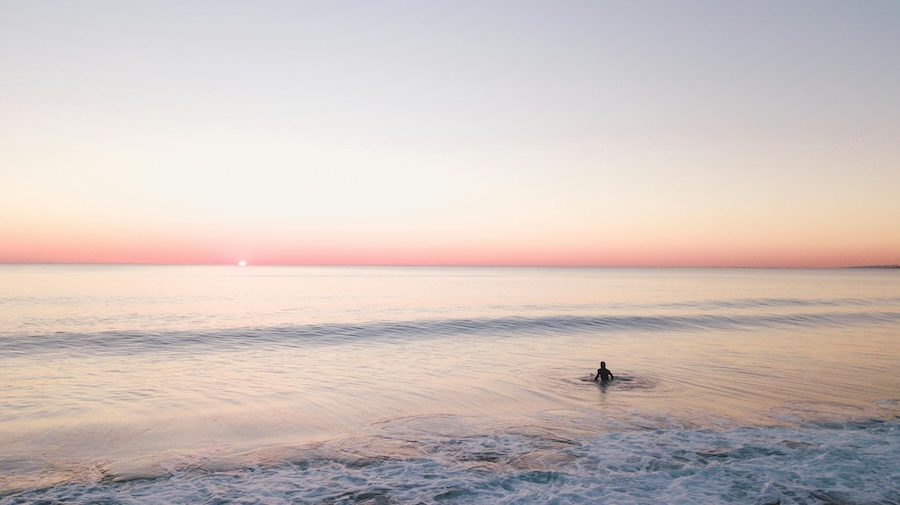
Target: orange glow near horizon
x=502, y=242
x=160, y=249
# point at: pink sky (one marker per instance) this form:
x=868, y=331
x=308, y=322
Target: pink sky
x=136, y=246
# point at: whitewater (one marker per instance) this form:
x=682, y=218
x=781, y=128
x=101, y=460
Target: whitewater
x=265, y=384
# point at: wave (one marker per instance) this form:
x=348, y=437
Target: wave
x=405, y=462
x=75, y=300
x=758, y=303
x=393, y=331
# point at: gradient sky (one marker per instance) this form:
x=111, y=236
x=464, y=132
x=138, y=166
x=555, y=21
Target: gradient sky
x=713, y=133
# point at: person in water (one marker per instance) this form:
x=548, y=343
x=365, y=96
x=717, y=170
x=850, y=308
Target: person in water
x=603, y=374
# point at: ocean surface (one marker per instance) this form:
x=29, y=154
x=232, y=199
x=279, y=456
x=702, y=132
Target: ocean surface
x=202, y=384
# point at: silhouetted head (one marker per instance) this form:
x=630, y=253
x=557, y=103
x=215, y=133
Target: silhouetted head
x=602, y=365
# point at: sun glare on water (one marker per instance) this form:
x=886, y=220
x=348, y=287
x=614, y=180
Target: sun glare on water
x=242, y=263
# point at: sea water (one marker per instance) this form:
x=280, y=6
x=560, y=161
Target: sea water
x=202, y=384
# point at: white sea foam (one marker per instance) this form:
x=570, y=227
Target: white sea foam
x=405, y=462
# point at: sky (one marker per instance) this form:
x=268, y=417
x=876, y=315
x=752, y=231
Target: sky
x=607, y=133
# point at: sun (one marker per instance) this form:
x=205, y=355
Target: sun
x=242, y=263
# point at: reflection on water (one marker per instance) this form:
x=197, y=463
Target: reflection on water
x=137, y=367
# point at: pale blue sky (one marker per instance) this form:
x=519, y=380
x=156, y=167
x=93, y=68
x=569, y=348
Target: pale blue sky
x=610, y=129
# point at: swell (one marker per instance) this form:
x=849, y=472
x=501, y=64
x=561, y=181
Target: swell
x=129, y=342
x=737, y=303
x=774, y=303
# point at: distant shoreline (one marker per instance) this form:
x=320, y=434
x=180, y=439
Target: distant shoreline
x=878, y=266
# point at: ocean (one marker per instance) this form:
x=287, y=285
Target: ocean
x=381, y=385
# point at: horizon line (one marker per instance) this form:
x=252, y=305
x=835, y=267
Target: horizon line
x=449, y=265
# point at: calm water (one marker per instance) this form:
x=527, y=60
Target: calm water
x=178, y=384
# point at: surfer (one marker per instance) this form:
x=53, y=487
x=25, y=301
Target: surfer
x=603, y=374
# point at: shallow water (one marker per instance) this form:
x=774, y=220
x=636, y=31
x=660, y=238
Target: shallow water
x=276, y=384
